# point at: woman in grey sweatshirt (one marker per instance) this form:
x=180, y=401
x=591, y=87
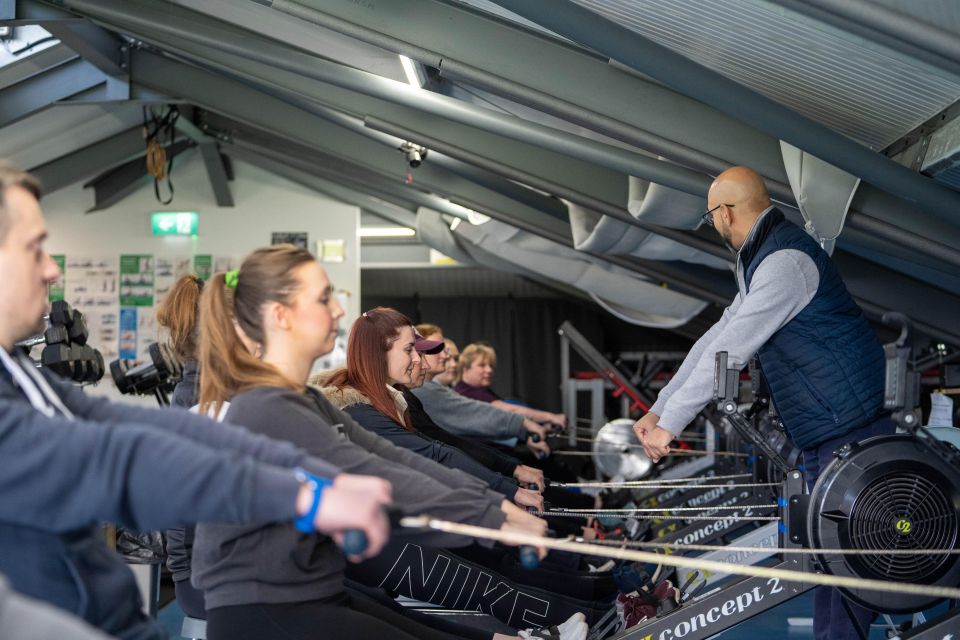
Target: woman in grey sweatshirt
x=262, y=328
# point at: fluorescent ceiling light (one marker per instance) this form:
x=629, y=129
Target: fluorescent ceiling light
x=386, y=232
x=410, y=70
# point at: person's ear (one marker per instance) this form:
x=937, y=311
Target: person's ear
x=279, y=315
x=727, y=215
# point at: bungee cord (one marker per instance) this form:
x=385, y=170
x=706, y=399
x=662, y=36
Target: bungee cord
x=616, y=553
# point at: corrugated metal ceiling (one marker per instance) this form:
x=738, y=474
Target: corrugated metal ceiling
x=871, y=94
x=943, y=14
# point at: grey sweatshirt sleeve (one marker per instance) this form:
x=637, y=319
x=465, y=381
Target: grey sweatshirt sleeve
x=374, y=421
x=286, y=415
x=783, y=284
x=468, y=417
x=690, y=362
x=63, y=475
x=381, y=447
x=197, y=428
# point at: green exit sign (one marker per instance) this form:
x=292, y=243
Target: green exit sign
x=174, y=223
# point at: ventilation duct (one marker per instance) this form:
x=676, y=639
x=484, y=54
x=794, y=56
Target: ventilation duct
x=597, y=233
x=656, y=204
x=822, y=191
x=643, y=302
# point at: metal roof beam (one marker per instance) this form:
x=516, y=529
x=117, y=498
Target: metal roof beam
x=27, y=12
x=96, y=45
x=115, y=185
x=217, y=173
x=97, y=157
x=41, y=91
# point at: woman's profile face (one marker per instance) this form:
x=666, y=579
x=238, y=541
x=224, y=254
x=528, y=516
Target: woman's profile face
x=403, y=360
x=449, y=375
x=315, y=311
x=436, y=363
x=479, y=373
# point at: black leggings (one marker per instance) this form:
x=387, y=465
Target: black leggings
x=438, y=622
x=439, y=577
x=552, y=575
x=338, y=618
x=190, y=599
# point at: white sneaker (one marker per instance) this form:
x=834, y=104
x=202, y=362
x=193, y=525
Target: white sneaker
x=603, y=568
x=573, y=628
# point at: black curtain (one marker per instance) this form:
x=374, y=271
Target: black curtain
x=524, y=333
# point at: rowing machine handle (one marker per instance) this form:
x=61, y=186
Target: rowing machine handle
x=528, y=558
x=355, y=541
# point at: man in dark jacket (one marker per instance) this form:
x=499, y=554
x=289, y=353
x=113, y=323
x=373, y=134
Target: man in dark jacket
x=820, y=358
x=71, y=461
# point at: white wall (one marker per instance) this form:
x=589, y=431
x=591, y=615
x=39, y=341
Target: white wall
x=264, y=203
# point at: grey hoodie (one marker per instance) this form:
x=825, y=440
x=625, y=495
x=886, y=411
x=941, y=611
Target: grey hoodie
x=237, y=565
x=468, y=417
x=359, y=407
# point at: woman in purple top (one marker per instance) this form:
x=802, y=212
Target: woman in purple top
x=476, y=366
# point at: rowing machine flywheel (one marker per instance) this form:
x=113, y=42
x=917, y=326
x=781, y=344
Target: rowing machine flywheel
x=617, y=452
x=885, y=493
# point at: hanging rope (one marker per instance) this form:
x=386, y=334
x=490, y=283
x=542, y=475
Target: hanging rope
x=159, y=162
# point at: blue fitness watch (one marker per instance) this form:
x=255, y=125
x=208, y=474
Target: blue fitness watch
x=317, y=484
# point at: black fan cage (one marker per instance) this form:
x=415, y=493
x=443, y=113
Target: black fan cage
x=901, y=510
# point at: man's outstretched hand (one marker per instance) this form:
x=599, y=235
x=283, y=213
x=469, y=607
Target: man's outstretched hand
x=655, y=440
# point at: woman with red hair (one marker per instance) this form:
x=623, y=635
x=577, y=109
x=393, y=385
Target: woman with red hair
x=383, y=360
x=384, y=351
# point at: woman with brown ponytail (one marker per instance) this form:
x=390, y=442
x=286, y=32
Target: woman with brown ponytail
x=179, y=314
x=262, y=327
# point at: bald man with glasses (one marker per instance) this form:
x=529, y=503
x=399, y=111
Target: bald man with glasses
x=820, y=358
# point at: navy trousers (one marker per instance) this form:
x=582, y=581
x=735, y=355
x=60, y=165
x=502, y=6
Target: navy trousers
x=831, y=621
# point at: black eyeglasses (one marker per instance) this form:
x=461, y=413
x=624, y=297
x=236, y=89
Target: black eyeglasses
x=708, y=216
